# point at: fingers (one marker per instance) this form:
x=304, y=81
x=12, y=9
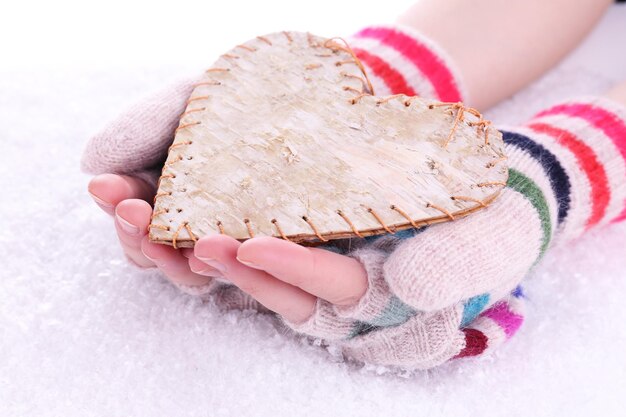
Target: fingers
x=173, y=264
x=132, y=218
x=120, y=195
x=199, y=267
x=338, y=279
x=108, y=190
x=186, y=252
x=124, y=198
x=220, y=252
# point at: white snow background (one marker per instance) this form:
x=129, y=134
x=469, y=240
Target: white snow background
x=83, y=333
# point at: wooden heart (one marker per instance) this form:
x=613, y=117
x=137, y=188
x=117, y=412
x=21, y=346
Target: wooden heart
x=285, y=138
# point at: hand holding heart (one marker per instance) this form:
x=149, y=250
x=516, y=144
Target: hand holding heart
x=410, y=299
x=314, y=291
x=285, y=277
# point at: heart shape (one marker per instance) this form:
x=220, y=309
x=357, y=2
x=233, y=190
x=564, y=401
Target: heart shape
x=285, y=138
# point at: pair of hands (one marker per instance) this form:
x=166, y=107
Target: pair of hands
x=417, y=291
x=284, y=277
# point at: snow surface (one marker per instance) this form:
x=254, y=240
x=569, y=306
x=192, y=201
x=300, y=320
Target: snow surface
x=82, y=333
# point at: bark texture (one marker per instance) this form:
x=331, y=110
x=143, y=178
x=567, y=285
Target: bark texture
x=285, y=137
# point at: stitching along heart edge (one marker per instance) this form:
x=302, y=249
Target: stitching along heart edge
x=166, y=233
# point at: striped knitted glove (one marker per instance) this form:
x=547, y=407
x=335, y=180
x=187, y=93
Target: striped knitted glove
x=441, y=292
x=566, y=176
x=416, y=313
x=451, y=290
x=137, y=142
x=399, y=60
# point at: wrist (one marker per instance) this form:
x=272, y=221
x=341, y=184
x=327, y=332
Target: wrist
x=575, y=152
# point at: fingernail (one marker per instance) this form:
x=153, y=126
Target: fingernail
x=101, y=201
x=214, y=263
x=248, y=263
x=127, y=226
x=146, y=255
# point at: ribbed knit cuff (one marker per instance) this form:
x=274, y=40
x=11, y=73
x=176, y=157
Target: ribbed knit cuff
x=399, y=60
x=579, y=148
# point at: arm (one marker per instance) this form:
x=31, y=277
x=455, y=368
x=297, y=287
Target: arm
x=515, y=42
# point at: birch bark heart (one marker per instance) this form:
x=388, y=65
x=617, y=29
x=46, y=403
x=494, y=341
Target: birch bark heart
x=285, y=138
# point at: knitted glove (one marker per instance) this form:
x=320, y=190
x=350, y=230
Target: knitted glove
x=415, y=314
x=427, y=288
x=137, y=142
x=441, y=292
